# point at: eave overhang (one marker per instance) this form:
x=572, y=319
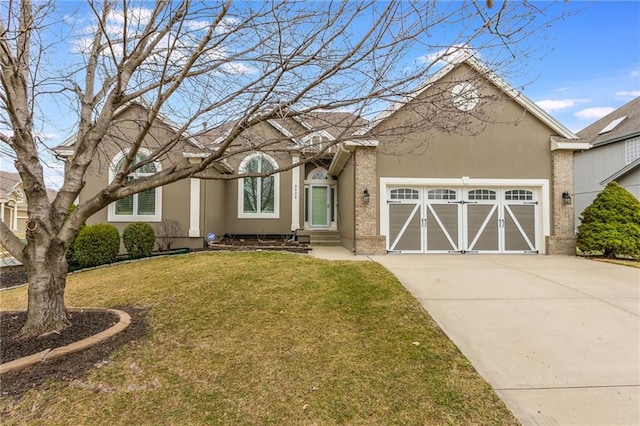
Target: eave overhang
x=570, y=145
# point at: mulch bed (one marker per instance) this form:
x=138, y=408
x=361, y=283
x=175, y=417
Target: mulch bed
x=72, y=366
x=83, y=325
x=229, y=243
x=13, y=278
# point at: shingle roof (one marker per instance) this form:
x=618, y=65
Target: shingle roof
x=7, y=181
x=628, y=127
x=337, y=124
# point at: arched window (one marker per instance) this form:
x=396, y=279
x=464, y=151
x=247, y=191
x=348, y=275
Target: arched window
x=317, y=174
x=404, y=194
x=144, y=206
x=258, y=196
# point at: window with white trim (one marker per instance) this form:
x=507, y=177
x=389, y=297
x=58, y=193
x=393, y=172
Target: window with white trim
x=518, y=195
x=482, y=194
x=404, y=194
x=632, y=150
x=145, y=206
x=441, y=194
x=317, y=174
x=258, y=196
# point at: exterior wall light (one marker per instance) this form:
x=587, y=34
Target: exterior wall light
x=366, y=197
x=566, y=197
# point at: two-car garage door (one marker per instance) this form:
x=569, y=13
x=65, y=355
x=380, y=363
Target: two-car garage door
x=457, y=219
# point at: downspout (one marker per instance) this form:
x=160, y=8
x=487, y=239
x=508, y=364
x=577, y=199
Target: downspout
x=355, y=178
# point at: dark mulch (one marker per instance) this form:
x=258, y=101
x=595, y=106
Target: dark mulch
x=253, y=244
x=75, y=365
x=83, y=324
x=14, y=277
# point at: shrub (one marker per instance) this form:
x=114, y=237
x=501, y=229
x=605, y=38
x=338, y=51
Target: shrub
x=70, y=255
x=611, y=224
x=139, y=239
x=97, y=244
x=167, y=231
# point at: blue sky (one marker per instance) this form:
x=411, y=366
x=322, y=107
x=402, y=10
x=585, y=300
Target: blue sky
x=594, y=66
x=591, y=68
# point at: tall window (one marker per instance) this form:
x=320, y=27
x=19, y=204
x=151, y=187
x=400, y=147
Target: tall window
x=143, y=206
x=632, y=148
x=258, y=196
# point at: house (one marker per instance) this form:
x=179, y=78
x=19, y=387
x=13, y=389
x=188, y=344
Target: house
x=614, y=155
x=484, y=173
x=13, y=204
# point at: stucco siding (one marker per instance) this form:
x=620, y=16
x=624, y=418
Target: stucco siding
x=175, y=196
x=498, y=140
x=212, y=201
x=346, y=205
x=257, y=226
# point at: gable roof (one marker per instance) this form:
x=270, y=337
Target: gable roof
x=328, y=123
x=8, y=183
x=467, y=56
x=627, y=127
x=65, y=148
x=623, y=171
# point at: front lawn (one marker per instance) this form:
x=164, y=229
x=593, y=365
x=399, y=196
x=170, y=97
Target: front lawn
x=264, y=338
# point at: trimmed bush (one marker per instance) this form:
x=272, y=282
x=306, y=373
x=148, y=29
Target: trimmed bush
x=611, y=224
x=97, y=244
x=139, y=239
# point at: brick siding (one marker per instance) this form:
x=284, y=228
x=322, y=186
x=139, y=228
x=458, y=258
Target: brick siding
x=367, y=240
x=562, y=239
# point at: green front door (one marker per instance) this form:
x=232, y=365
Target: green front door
x=319, y=206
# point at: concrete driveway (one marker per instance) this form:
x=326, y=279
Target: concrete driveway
x=558, y=338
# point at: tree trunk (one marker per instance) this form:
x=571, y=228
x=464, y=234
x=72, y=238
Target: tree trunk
x=46, y=311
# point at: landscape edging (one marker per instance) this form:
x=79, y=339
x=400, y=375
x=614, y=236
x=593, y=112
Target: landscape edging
x=51, y=354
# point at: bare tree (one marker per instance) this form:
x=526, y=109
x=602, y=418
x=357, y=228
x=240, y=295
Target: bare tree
x=231, y=66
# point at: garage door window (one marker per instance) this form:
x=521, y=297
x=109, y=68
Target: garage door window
x=404, y=194
x=482, y=194
x=518, y=195
x=441, y=194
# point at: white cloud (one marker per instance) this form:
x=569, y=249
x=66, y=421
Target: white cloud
x=54, y=174
x=237, y=68
x=628, y=94
x=558, y=104
x=135, y=16
x=594, y=113
x=635, y=73
x=562, y=89
x=448, y=54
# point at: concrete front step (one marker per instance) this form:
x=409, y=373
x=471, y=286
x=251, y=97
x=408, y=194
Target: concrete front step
x=319, y=237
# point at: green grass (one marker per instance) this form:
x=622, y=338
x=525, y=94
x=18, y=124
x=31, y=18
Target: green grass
x=265, y=338
x=624, y=262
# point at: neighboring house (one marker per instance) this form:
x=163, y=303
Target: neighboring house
x=13, y=204
x=614, y=156
x=486, y=175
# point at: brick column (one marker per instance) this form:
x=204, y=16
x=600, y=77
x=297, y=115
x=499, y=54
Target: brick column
x=562, y=239
x=367, y=238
